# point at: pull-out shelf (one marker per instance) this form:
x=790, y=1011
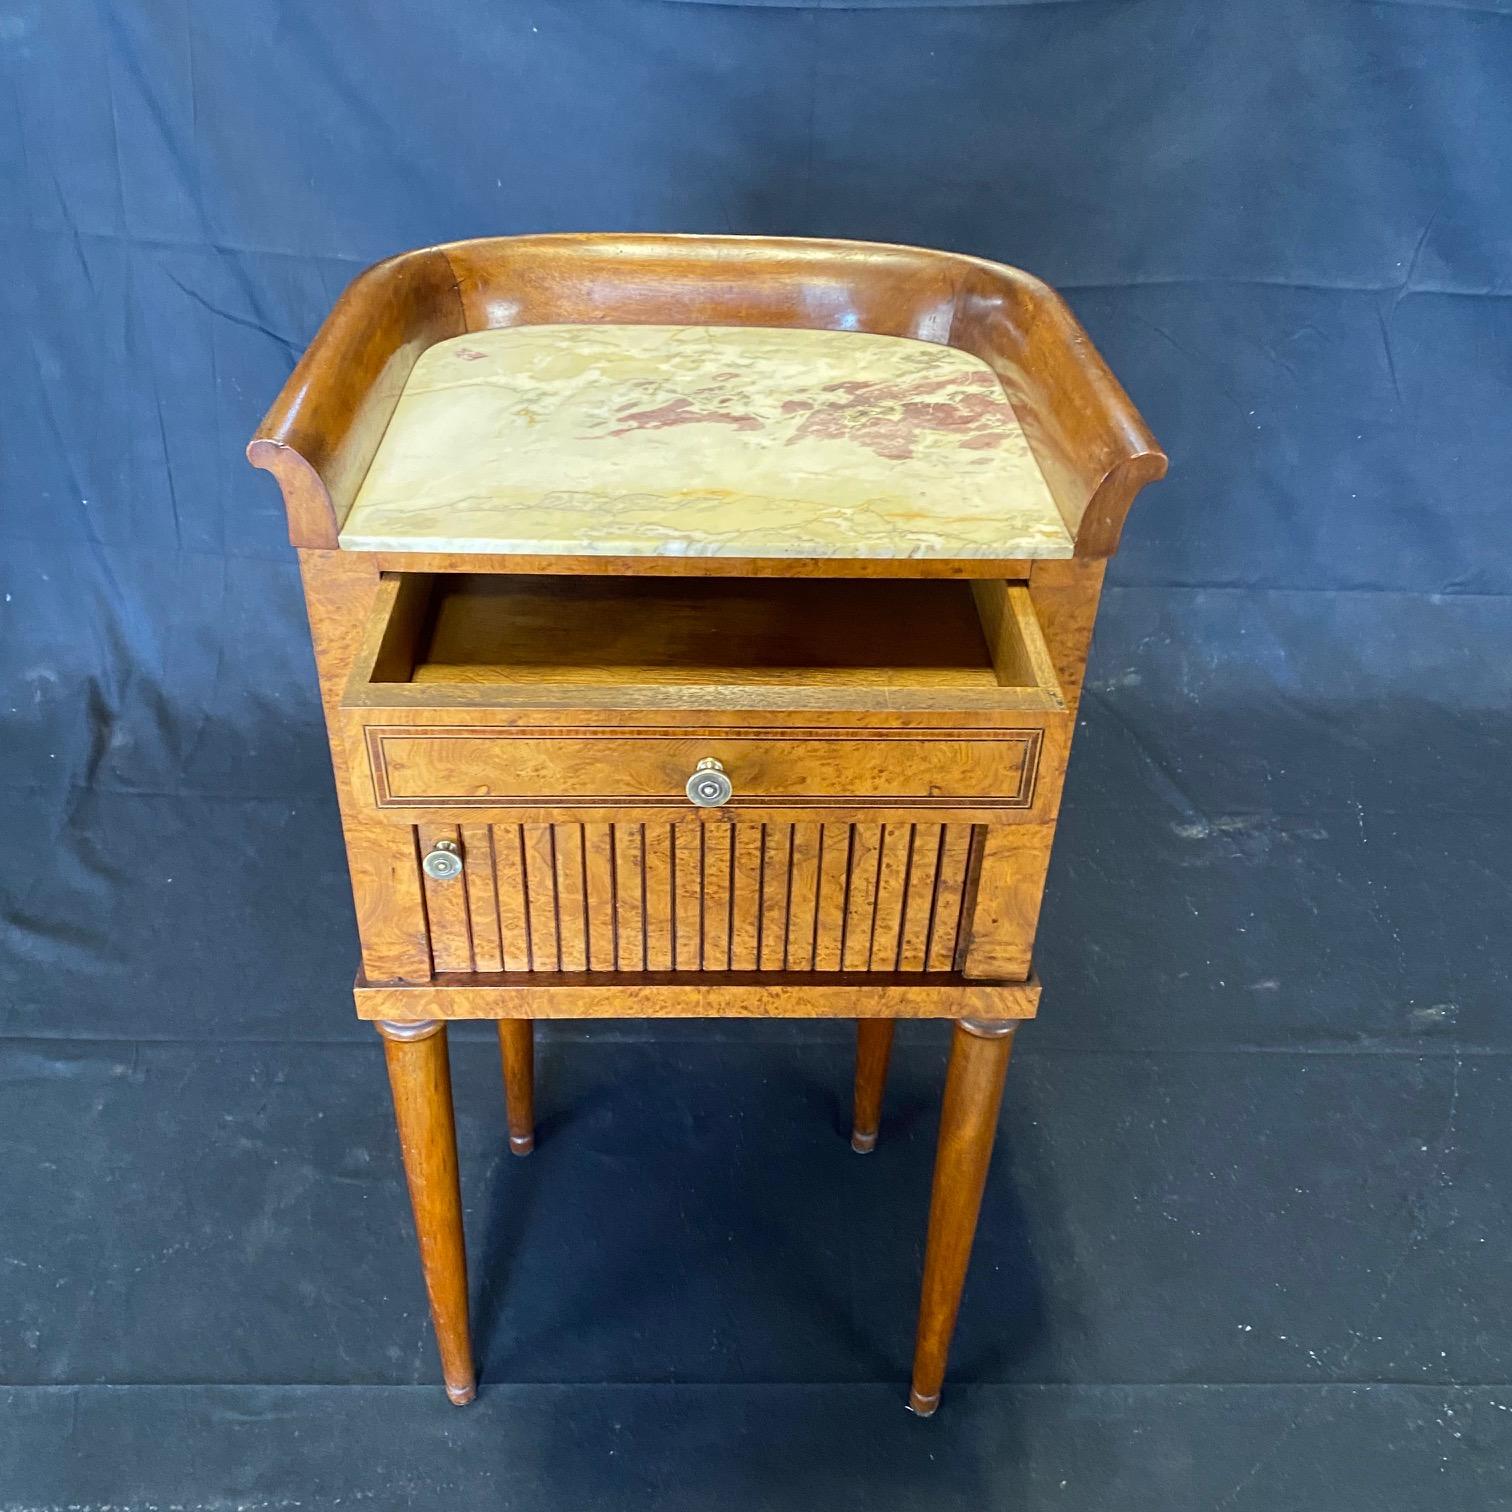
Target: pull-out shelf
x=555, y=693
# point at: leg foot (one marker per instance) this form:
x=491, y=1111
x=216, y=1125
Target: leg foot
x=968, y=1125
x=420, y=1078
x=517, y=1049
x=874, y=1039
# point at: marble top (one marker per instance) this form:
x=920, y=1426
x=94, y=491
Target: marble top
x=615, y=440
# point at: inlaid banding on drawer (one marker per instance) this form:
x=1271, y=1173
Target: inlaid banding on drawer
x=480, y=766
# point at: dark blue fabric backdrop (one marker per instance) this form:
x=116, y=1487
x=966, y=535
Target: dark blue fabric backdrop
x=1288, y=224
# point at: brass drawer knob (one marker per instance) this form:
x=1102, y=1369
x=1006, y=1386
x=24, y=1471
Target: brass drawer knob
x=708, y=787
x=443, y=861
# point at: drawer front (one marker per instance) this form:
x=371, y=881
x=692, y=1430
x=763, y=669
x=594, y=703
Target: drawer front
x=700, y=897
x=478, y=766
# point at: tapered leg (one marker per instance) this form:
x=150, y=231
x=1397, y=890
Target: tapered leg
x=517, y=1048
x=420, y=1077
x=968, y=1125
x=874, y=1039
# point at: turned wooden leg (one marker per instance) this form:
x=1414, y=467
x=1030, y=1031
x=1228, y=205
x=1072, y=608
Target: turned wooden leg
x=968, y=1125
x=874, y=1039
x=517, y=1048
x=421, y=1081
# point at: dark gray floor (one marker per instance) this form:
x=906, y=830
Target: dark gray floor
x=1245, y=1244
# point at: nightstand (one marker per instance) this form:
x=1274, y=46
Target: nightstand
x=700, y=624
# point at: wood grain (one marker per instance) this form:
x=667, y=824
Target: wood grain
x=480, y=884
x=485, y=767
x=952, y=878
x=420, y=1079
x=517, y=1053
x=874, y=1039
x=1003, y=913
x=803, y=897
x=571, y=897
x=687, y=896
x=696, y=994
x=539, y=848
x=446, y=905
x=776, y=869
x=893, y=884
x=745, y=912
x=834, y=874
x=516, y=563
x=919, y=906
x=599, y=897
x=322, y=431
x=631, y=882
x=466, y=640
x=718, y=911
x=556, y=629
x=391, y=925
x=1020, y=658
x=760, y=642
x=658, y=895
x=508, y=849
x=599, y=874
x=1065, y=597
x=968, y=1127
x=861, y=897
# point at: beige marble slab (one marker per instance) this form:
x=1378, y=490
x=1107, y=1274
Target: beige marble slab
x=703, y=441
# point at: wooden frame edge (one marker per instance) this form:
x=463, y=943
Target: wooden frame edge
x=589, y=995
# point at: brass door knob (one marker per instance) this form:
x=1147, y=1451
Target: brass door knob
x=708, y=787
x=443, y=861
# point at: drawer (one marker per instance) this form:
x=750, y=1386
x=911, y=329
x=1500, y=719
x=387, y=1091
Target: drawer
x=484, y=766
x=541, y=695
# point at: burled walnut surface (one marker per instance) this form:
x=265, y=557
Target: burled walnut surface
x=703, y=441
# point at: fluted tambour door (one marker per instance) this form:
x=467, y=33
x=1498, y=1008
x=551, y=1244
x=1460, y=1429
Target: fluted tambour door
x=700, y=897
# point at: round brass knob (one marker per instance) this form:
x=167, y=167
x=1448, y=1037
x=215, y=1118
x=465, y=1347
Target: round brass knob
x=443, y=861
x=708, y=787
